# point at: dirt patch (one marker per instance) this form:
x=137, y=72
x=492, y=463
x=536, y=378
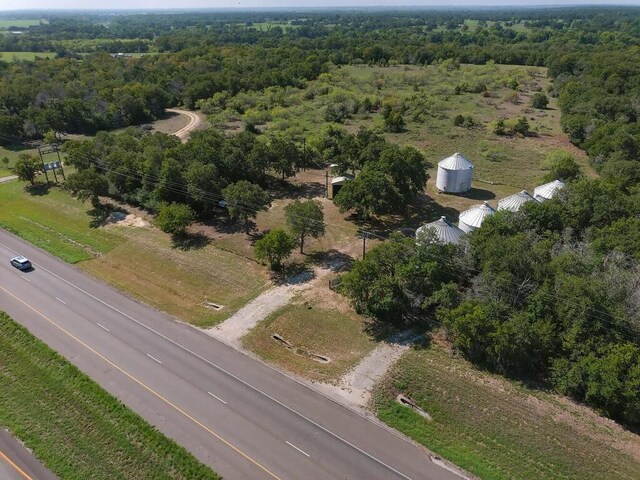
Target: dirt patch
x=355, y=386
x=126, y=220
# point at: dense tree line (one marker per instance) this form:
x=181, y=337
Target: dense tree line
x=104, y=93
x=548, y=293
x=148, y=169
x=208, y=53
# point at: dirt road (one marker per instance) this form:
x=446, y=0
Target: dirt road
x=194, y=122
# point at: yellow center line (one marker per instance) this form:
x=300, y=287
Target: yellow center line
x=16, y=467
x=149, y=389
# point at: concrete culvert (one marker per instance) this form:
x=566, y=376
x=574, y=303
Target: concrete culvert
x=319, y=358
x=215, y=306
x=279, y=338
x=407, y=402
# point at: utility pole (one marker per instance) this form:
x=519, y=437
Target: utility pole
x=44, y=168
x=364, y=243
x=326, y=184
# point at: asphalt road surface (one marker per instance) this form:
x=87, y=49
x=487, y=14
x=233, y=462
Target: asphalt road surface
x=244, y=419
x=17, y=463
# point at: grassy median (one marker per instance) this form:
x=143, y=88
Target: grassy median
x=73, y=426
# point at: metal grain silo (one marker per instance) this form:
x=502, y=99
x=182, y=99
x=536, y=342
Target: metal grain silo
x=455, y=174
x=472, y=219
x=514, y=202
x=443, y=230
x=548, y=190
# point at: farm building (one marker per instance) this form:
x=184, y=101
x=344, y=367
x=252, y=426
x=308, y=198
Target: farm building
x=455, y=174
x=548, y=190
x=444, y=231
x=472, y=219
x=336, y=184
x=514, y=202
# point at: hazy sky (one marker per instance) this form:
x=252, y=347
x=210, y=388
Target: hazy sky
x=138, y=4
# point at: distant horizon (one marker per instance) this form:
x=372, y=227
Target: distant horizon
x=261, y=5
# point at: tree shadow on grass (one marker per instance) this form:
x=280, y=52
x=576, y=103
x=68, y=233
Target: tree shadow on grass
x=39, y=189
x=189, y=241
x=424, y=210
x=99, y=216
x=292, y=274
x=413, y=329
x=222, y=223
x=332, y=259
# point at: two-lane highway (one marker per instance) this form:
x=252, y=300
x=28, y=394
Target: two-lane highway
x=232, y=412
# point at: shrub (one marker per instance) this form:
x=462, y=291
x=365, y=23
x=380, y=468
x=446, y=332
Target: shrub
x=539, y=100
x=174, y=217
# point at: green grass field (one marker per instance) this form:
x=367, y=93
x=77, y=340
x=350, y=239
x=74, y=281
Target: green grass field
x=75, y=427
x=504, y=164
x=497, y=429
x=174, y=280
x=28, y=56
x=311, y=328
x=12, y=156
x=54, y=221
x=177, y=281
x=20, y=23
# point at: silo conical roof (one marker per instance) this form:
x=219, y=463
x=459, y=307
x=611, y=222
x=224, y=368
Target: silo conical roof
x=548, y=190
x=476, y=215
x=445, y=231
x=514, y=202
x=456, y=162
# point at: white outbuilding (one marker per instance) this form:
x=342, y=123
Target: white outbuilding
x=455, y=174
x=337, y=183
x=514, y=202
x=472, y=219
x=548, y=190
x=443, y=230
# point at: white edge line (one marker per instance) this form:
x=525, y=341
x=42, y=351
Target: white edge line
x=25, y=278
x=61, y=301
x=217, y=398
x=154, y=359
x=102, y=327
x=255, y=389
x=299, y=449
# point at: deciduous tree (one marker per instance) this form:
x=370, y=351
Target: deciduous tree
x=274, y=247
x=305, y=219
x=244, y=200
x=27, y=168
x=174, y=218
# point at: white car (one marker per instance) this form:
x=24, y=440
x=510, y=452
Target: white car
x=21, y=263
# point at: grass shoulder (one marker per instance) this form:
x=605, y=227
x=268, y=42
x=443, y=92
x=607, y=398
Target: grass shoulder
x=498, y=429
x=75, y=427
x=311, y=328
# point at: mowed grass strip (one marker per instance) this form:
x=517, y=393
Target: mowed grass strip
x=497, y=429
x=53, y=221
x=12, y=155
x=179, y=282
x=311, y=329
x=75, y=427
x=142, y=261
x=21, y=22
x=28, y=56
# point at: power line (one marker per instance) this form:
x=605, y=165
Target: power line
x=249, y=209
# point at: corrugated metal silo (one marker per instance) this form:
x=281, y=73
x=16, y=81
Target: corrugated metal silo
x=472, y=219
x=455, y=174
